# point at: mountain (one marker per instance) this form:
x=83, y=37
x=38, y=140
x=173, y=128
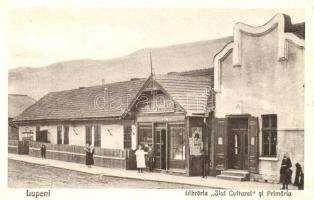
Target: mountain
x=36, y=82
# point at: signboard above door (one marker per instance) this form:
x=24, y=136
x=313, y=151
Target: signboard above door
x=154, y=102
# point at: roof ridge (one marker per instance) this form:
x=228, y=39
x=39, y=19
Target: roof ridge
x=94, y=86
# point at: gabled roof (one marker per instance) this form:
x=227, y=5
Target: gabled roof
x=18, y=103
x=84, y=103
x=192, y=93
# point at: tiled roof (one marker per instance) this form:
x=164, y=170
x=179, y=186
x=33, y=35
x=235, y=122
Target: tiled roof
x=18, y=103
x=84, y=102
x=191, y=92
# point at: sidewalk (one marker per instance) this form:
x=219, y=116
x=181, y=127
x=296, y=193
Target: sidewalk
x=211, y=182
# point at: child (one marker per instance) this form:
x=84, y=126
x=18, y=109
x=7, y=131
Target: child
x=43, y=151
x=140, y=159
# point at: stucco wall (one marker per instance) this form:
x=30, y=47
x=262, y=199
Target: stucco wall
x=76, y=135
x=264, y=85
x=288, y=141
x=113, y=141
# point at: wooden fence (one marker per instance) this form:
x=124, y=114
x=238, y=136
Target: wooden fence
x=12, y=146
x=111, y=158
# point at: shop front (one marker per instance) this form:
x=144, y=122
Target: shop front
x=167, y=141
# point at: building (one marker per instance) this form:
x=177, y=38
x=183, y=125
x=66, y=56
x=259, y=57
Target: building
x=17, y=104
x=229, y=117
x=259, y=109
x=167, y=112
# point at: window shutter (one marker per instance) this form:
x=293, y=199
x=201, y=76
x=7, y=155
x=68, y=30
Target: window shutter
x=220, y=144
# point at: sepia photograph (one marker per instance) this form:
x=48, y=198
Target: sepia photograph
x=208, y=100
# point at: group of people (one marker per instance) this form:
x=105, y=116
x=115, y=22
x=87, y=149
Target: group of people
x=286, y=173
x=143, y=158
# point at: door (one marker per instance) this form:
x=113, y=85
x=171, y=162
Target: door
x=239, y=149
x=238, y=143
x=160, y=147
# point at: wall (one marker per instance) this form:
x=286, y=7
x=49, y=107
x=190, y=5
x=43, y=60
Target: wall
x=113, y=141
x=288, y=141
x=77, y=134
x=264, y=85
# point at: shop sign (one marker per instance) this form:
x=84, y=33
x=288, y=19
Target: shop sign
x=156, y=103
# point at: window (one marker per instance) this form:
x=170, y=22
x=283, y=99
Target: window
x=88, y=134
x=145, y=135
x=66, y=135
x=127, y=136
x=41, y=136
x=269, y=130
x=59, y=135
x=177, y=147
x=97, y=136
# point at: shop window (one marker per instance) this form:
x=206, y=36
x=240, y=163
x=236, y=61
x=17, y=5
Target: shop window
x=88, y=134
x=269, y=131
x=145, y=135
x=59, y=135
x=97, y=136
x=127, y=136
x=177, y=147
x=66, y=135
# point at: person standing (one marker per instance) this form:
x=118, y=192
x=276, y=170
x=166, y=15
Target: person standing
x=151, y=159
x=140, y=159
x=285, y=171
x=43, y=151
x=299, y=177
x=89, y=150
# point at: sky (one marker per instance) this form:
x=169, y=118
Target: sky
x=39, y=36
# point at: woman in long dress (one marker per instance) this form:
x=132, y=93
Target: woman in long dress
x=89, y=150
x=140, y=159
x=285, y=171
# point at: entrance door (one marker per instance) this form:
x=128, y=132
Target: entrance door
x=238, y=143
x=160, y=147
x=239, y=148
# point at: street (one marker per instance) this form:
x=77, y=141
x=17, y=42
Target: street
x=28, y=175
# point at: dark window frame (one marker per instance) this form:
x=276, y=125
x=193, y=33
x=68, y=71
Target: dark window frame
x=97, y=135
x=269, y=135
x=127, y=136
x=66, y=135
x=59, y=134
x=88, y=134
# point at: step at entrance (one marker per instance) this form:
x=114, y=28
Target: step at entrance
x=235, y=175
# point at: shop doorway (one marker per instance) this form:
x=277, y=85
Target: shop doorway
x=238, y=143
x=167, y=141
x=161, y=147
